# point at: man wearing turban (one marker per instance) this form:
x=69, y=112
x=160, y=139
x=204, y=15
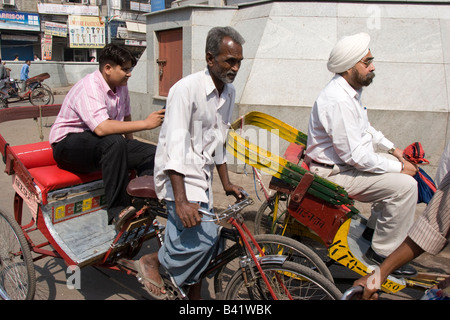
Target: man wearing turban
x=341, y=148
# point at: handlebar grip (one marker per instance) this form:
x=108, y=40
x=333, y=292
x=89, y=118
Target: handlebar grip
x=352, y=292
x=238, y=206
x=243, y=192
x=205, y=212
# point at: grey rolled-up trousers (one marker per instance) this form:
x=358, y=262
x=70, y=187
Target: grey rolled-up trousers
x=393, y=197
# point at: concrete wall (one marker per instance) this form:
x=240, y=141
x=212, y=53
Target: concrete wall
x=61, y=73
x=142, y=101
x=287, y=46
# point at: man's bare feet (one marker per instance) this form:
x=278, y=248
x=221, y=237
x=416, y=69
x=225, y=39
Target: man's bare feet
x=149, y=265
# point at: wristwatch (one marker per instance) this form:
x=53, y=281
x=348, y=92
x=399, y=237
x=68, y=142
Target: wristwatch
x=391, y=151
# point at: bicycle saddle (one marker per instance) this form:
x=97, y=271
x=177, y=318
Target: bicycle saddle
x=142, y=187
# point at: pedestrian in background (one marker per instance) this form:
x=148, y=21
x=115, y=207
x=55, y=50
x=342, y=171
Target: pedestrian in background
x=24, y=74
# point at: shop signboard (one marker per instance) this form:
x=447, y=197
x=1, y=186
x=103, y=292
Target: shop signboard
x=46, y=47
x=157, y=5
x=67, y=9
x=86, y=32
x=55, y=29
x=19, y=21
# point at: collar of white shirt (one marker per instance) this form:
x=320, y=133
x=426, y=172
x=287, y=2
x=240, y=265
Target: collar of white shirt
x=356, y=94
x=210, y=87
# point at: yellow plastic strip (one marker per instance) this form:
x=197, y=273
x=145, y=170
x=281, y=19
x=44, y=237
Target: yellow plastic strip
x=340, y=252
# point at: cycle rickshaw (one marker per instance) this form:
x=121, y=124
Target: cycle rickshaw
x=69, y=210
x=304, y=205
x=36, y=91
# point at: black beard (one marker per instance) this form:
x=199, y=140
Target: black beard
x=364, y=81
x=367, y=79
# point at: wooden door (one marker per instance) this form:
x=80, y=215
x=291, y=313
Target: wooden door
x=170, y=61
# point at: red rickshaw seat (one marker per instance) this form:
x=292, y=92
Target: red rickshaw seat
x=38, y=159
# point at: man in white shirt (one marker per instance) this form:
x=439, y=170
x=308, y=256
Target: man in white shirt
x=342, y=147
x=190, y=145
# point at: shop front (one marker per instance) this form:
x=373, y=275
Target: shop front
x=19, y=35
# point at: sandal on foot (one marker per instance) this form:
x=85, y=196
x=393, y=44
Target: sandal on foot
x=126, y=213
x=142, y=279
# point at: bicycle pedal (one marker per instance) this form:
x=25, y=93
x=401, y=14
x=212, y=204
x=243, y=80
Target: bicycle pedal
x=138, y=223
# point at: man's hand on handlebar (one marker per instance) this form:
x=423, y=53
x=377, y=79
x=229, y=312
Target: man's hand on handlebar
x=368, y=293
x=237, y=191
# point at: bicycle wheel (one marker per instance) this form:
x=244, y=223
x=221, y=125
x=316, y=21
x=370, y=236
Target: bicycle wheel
x=273, y=244
x=288, y=280
x=45, y=86
x=17, y=276
x=41, y=96
x=271, y=216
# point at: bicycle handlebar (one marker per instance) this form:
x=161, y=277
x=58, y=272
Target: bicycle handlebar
x=352, y=292
x=231, y=210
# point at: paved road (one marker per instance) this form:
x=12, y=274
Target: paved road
x=102, y=284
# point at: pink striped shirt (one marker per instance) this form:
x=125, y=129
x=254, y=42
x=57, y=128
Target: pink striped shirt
x=90, y=102
x=431, y=231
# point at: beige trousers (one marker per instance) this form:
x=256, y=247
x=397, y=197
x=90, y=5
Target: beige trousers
x=393, y=197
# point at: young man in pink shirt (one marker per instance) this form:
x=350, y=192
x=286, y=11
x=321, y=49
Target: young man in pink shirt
x=94, y=131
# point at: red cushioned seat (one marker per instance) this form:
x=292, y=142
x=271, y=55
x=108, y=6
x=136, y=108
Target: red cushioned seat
x=33, y=155
x=38, y=159
x=52, y=177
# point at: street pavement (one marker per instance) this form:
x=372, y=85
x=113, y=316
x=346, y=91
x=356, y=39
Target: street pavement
x=103, y=284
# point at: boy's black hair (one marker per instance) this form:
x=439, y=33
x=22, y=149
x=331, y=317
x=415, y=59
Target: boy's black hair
x=115, y=55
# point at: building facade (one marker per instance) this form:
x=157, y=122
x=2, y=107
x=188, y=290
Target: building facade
x=71, y=30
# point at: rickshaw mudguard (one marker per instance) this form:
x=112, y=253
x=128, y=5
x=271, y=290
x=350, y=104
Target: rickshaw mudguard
x=74, y=220
x=348, y=248
x=69, y=209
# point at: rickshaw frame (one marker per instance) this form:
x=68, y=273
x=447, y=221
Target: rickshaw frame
x=45, y=201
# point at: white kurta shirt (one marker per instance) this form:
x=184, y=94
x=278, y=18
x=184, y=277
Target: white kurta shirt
x=339, y=131
x=192, y=137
